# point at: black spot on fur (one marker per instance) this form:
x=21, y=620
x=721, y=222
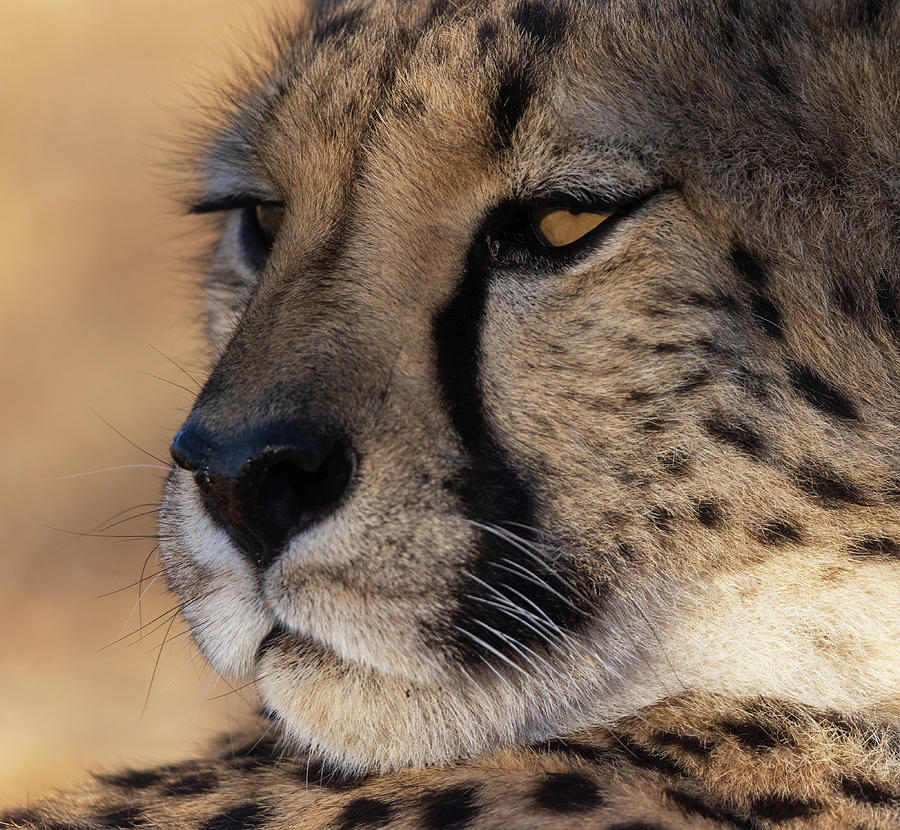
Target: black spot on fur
x=567, y=792
x=695, y=379
x=127, y=816
x=661, y=518
x=767, y=315
x=486, y=35
x=749, y=267
x=716, y=302
x=774, y=78
x=667, y=348
x=737, y=434
x=365, y=813
x=888, y=302
x=692, y=744
x=542, y=21
x=860, y=789
x=870, y=12
x=674, y=461
x=636, y=825
x=193, y=784
x=135, y=779
x=709, y=513
x=450, y=809
x=781, y=531
x=654, y=423
x=244, y=817
x=818, y=480
x=315, y=773
x=777, y=807
x=691, y=806
x=765, y=312
x=513, y=94
x=339, y=27
x=820, y=394
x=13, y=817
x=877, y=547
x=750, y=735
x=645, y=758
x=591, y=754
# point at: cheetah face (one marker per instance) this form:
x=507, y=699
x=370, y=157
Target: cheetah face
x=524, y=389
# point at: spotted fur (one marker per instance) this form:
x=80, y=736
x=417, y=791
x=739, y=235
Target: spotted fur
x=620, y=546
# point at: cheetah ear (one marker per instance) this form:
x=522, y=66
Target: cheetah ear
x=556, y=228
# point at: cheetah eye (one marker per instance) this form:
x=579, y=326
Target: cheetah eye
x=556, y=228
x=260, y=224
x=269, y=218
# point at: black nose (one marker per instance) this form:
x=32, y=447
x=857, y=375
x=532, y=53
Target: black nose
x=266, y=485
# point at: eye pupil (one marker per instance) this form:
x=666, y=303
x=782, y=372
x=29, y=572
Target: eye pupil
x=269, y=218
x=556, y=228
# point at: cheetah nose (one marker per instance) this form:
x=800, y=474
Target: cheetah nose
x=267, y=485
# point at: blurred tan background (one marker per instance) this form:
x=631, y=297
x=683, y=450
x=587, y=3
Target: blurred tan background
x=95, y=274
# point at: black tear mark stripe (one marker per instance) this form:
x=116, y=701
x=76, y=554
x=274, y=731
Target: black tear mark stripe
x=567, y=792
x=497, y=610
x=820, y=394
x=765, y=312
x=452, y=809
x=364, y=814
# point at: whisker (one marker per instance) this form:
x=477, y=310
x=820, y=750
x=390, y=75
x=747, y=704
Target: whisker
x=110, y=470
x=156, y=666
x=490, y=648
x=122, y=513
x=174, y=363
x=130, y=585
x=124, y=437
x=170, y=382
x=104, y=528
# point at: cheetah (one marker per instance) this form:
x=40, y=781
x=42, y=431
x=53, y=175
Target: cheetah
x=548, y=469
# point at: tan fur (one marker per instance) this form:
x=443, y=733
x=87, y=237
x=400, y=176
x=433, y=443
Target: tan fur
x=697, y=418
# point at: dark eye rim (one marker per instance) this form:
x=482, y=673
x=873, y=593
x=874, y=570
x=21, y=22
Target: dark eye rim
x=513, y=244
x=255, y=242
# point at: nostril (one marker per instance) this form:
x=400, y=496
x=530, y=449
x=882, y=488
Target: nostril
x=286, y=491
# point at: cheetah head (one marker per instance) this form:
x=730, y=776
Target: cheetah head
x=557, y=370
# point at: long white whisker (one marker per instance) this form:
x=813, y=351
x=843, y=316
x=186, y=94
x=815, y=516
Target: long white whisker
x=111, y=469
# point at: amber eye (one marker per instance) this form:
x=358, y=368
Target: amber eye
x=557, y=228
x=269, y=218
